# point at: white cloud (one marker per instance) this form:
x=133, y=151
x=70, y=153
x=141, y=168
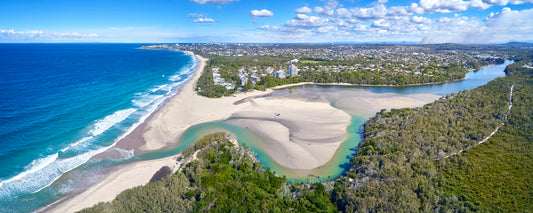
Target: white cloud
x=200, y=18
x=309, y=22
x=496, y=2
x=195, y=15
x=443, y=6
x=378, y=22
x=38, y=35
x=398, y=11
x=414, y=8
x=376, y=12
x=319, y=10
x=421, y=20
x=213, y=1
x=203, y=20
x=261, y=13
x=304, y=10
x=478, y=4
x=500, y=27
x=268, y=27
x=381, y=23
x=510, y=24
x=343, y=12
x=444, y=19
x=301, y=17
x=328, y=9
x=449, y=6
x=505, y=2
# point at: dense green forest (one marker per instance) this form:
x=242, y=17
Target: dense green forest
x=498, y=176
x=405, y=163
x=320, y=73
x=401, y=164
x=224, y=178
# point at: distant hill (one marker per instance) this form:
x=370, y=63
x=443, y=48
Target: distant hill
x=519, y=44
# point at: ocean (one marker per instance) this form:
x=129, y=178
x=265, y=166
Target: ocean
x=64, y=106
x=61, y=104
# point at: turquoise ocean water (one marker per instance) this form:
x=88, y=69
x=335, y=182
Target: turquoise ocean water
x=62, y=104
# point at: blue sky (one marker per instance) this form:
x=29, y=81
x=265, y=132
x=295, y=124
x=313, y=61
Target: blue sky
x=143, y=21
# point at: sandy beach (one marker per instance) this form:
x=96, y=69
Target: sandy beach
x=124, y=177
x=300, y=124
x=298, y=143
x=302, y=134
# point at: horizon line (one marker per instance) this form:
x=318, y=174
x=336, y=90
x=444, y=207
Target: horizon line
x=285, y=43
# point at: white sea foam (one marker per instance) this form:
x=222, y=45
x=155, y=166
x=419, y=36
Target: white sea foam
x=42, y=176
x=34, y=166
x=30, y=170
x=110, y=120
x=145, y=100
x=118, y=153
x=43, y=172
x=81, y=141
x=175, y=78
x=77, y=143
x=159, y=87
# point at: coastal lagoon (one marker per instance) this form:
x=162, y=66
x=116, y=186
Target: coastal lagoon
x=360, y=102
x=62, y=120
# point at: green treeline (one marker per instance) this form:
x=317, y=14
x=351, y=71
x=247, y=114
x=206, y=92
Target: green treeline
x=328, y=71
x=205, y=85
x=224, y=178
x=429, y=74
x=401, y=164
x=448, y=73
x=520, y=67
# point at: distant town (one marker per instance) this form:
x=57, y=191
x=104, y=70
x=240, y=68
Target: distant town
x=240, y=67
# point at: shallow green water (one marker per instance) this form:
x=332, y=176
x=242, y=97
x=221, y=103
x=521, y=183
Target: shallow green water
x=340, y=162
x=335, y=167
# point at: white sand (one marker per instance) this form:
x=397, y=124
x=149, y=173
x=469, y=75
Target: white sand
x=164, y=128
x=367, y=103
x=309, y=122
x=185, y=110
x=128, y=176
x=306, y=135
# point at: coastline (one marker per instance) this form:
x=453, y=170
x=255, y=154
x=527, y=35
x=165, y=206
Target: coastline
x=124, y=176
x=76, y=182
x=164, y=127
x=121, y=178
x=293, y=142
